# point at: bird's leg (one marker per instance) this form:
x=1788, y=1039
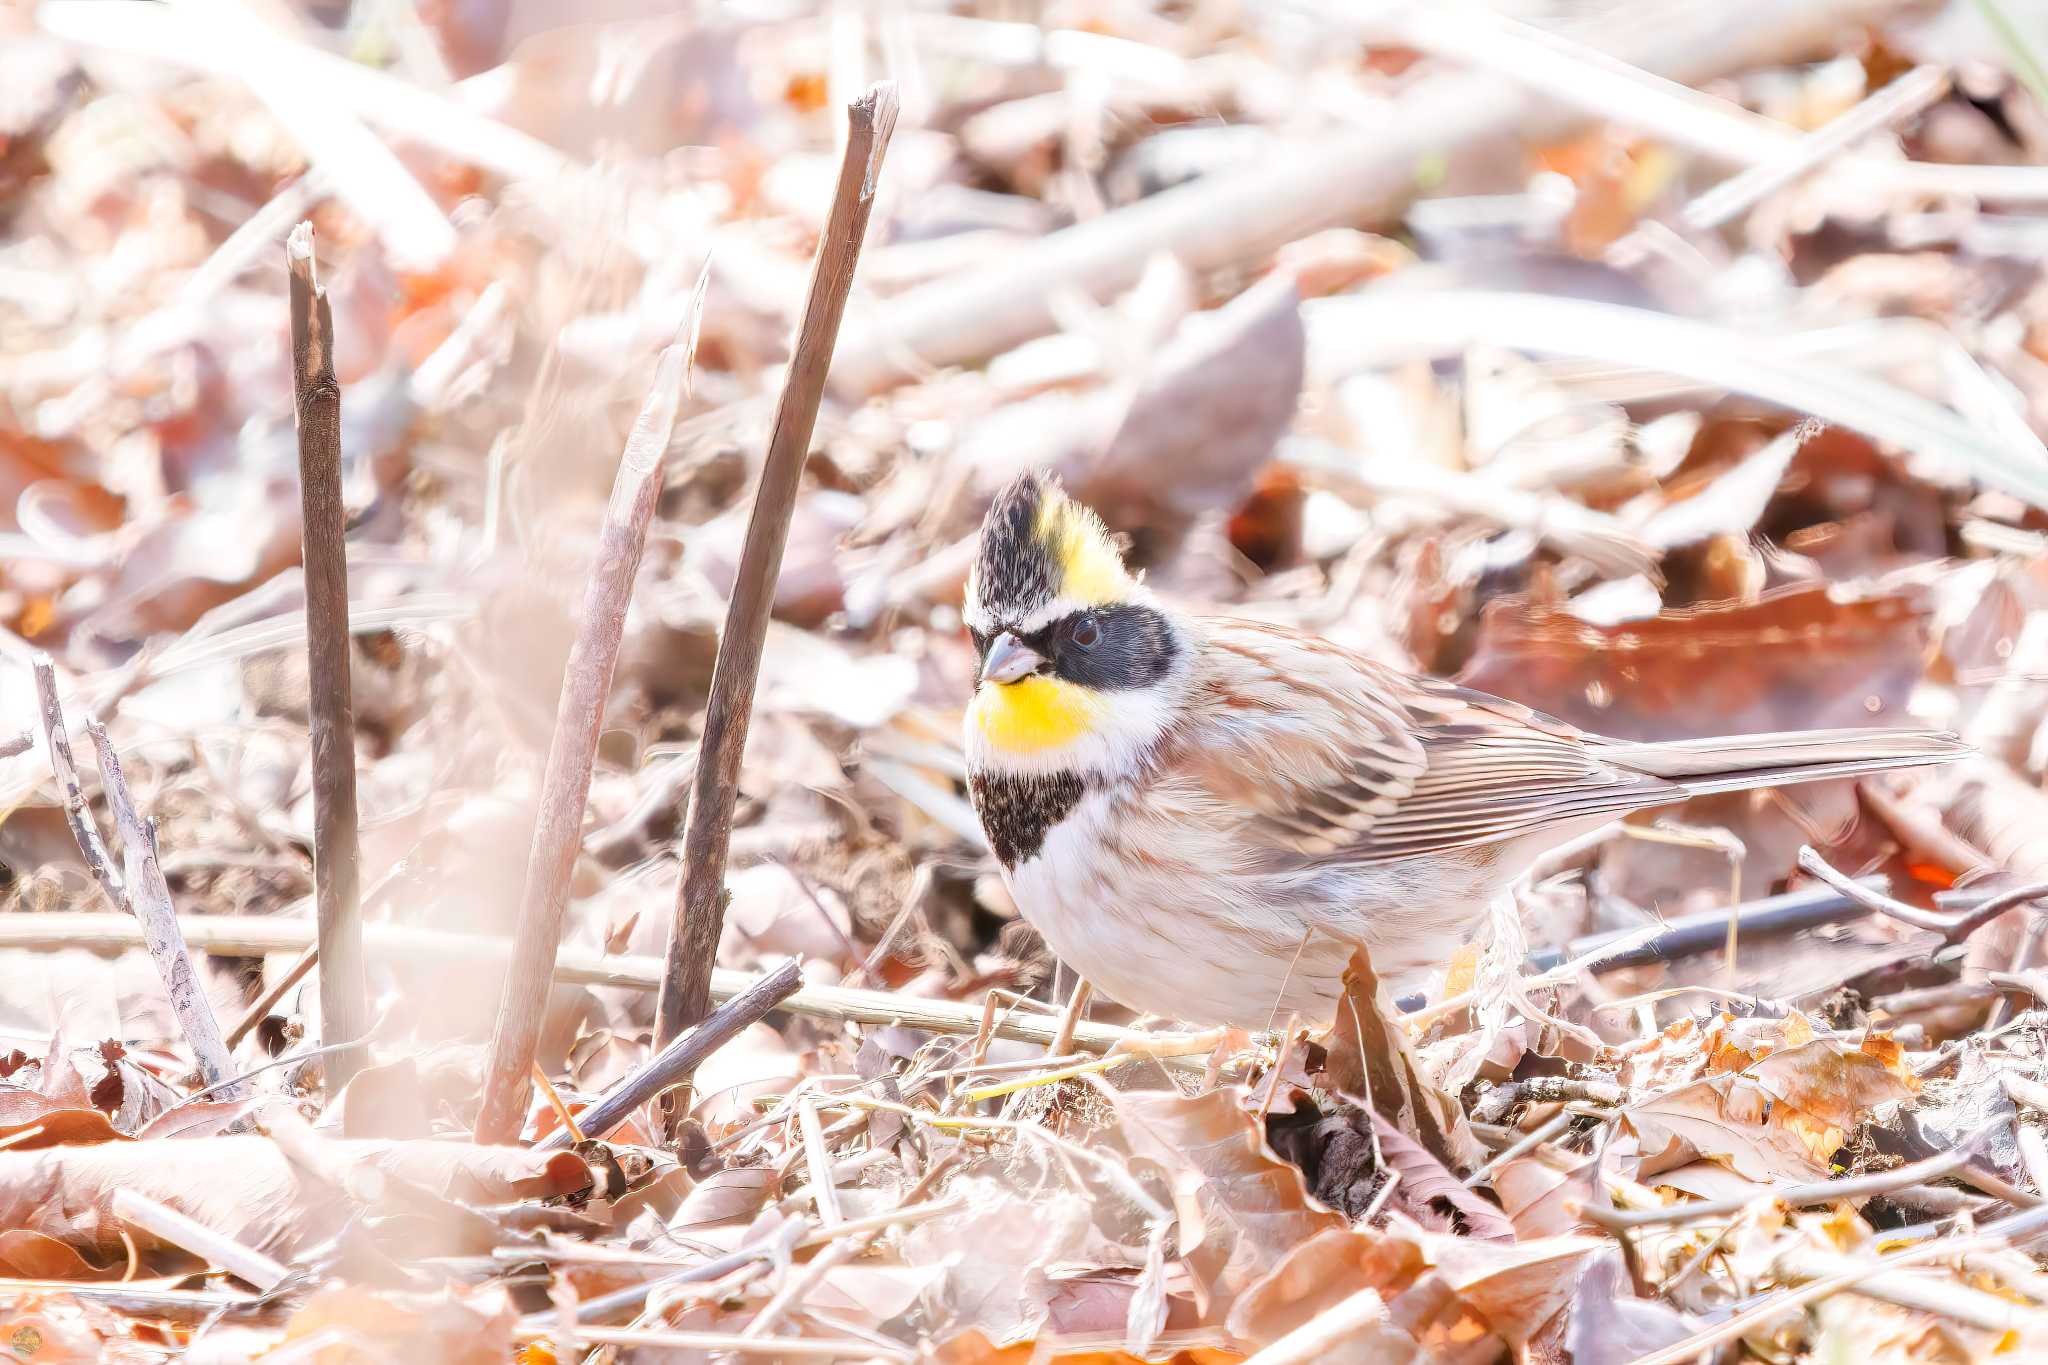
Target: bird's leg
x=1499, y=981
x=1077, y=1003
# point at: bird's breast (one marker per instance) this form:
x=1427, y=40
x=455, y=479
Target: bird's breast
x=1018, y=810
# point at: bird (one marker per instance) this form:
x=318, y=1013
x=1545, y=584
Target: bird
x=1204, y=816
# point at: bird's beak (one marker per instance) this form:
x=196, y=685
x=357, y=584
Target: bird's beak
x=1009, y=659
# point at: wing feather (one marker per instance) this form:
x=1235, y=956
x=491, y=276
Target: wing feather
x=1333, y=759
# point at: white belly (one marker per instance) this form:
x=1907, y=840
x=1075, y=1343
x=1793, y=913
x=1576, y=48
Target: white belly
x=1172, y=928
x=1244, y=949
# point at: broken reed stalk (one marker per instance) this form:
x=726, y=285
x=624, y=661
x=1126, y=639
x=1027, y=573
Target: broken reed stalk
x=674, y=1064
x=262, y=935
x=149, y=899
x=166, y=1224
x=565, y=786
x=337, y=870
x=699, y=915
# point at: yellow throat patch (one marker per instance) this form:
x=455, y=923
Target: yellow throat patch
x=1033, y=714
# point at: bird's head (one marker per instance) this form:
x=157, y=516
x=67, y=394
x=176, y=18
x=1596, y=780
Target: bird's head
x=1079, y=667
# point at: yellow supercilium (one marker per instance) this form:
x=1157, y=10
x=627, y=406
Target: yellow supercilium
x=1091, y=570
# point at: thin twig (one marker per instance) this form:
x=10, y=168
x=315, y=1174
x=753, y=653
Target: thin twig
x=796, y=1348
x=1077, y=1005
x=337, y=866
x=1954, y=927
x=1557, y=1124
x=259, y=1011
x=1935, y=1167
x=150, y=898
x=288, y=1059
x=1775, y=1305
x=570, y=1128
x=181, y=1230
x=84, y=828
x=572, y=754
x=1895, y=102
x=672, y=1065
x=699, y=913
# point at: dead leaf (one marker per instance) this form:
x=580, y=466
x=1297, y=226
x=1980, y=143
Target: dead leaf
x=246, y=1188
x=725, y=1196
x=1240, y=1206
x=1608, y=1325
x=35, y=1256
x=1800, y=658
x=23, y=1110
x=1369, y=1057
x=999, y=1253
x=342, y=1324
x=1780, y=1118
x=1335, y=1264
x=197, y=1119
x=1836, y=1082
x=1433, y=1196
x=1544, y=1191
x=1517, y=1288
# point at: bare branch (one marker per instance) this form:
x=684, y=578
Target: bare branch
x=699, y=916
x=150, y=898
x=1954, y=927
x=337, y=871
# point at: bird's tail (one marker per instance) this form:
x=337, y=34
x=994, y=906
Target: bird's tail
x=1739, y=762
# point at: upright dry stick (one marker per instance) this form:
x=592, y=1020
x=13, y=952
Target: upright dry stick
x=344, y=994
x=565, y=786
x=699, y=917
x=149, y=897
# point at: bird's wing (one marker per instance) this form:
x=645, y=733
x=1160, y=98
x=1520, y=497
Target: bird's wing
x=1336, y=759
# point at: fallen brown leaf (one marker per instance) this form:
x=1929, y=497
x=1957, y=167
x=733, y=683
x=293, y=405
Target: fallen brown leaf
x=342, y=1324
x=1800, y=658
x=1240, y=1207
x=246, y=1189
x=1369, y=1057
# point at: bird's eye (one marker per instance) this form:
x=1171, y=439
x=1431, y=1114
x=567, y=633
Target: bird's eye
x=1085, y=634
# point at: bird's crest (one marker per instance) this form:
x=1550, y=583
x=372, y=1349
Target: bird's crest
x=1039, y=546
